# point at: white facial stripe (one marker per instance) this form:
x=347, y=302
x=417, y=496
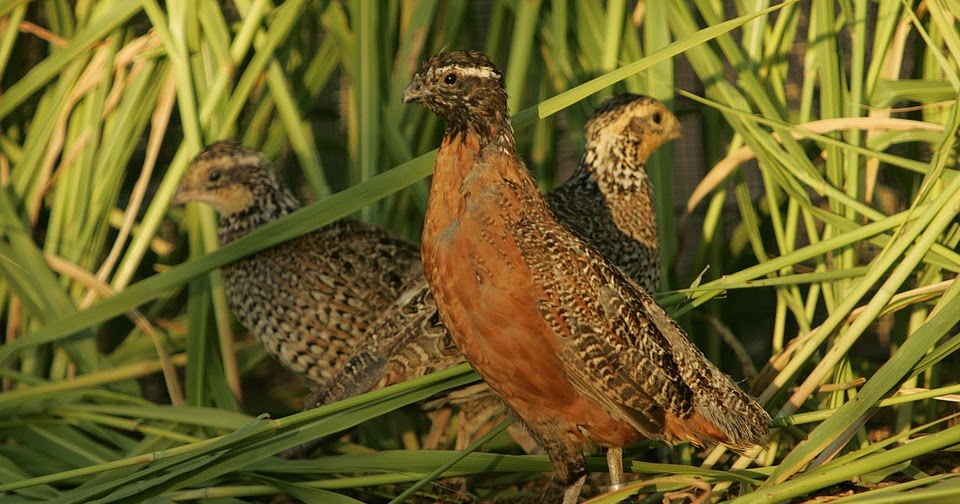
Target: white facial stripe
x=248, y=158
x=252, y=158
x=483, y=73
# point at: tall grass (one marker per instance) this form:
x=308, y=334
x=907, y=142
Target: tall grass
x=828, y=236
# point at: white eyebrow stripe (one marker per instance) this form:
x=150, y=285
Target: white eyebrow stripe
x=250, y=158
x=482, y=72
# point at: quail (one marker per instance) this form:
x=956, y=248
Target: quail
x=308, y=300
x=608, y=201
x=579, y=351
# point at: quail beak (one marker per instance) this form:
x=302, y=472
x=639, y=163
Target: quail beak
x=182, y=196
x=674, y=129
x=413, y=93
x=675, y=133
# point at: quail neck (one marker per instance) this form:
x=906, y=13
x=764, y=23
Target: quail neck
x=270, y=201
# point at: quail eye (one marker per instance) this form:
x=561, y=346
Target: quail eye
x=450, y=78
x=214, y=176
x=657, y=117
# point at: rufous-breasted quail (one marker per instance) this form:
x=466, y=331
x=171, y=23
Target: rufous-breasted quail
x=578, y=350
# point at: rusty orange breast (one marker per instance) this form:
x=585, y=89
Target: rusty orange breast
x=490, y=303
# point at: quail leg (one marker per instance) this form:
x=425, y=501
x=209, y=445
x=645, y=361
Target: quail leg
x=615, y=466
x=572, y=493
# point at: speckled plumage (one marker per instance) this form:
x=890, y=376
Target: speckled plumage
x=310, y=299
x=608, y=200
x=576, y=348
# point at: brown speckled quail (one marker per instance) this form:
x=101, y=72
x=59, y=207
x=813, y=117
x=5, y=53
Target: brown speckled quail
x=579, y=351
x=608, y=200
x=310, y=299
